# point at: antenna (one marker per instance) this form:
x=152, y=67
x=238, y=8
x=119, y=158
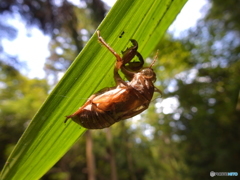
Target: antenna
x=154, y=60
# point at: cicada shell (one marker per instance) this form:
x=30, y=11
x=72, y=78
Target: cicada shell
x=126, y=99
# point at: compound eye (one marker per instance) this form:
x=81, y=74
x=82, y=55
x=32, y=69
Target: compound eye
x=148, y=73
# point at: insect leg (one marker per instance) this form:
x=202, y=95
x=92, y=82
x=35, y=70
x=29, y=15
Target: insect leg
x=119, y=59
x=134, y=65
x=119, y=62
x=141, y=61
x=157, y=90
x=128, y=74
x=129, y=53
x=117, y=77
x=134, y=113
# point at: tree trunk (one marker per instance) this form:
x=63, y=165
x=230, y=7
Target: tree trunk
x=127, y=146
x=91, y=168
x=111, y=155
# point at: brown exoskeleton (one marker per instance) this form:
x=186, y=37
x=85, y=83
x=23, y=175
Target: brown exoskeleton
x=123, y=101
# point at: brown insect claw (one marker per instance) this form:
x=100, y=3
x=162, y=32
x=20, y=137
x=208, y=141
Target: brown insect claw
x=135, y=43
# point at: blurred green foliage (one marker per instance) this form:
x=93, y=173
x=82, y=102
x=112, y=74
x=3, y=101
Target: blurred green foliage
x=20, y=98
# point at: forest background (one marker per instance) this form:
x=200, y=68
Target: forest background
x=198, y=71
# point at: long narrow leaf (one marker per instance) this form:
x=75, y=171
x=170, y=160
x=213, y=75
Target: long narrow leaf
x=47, y=138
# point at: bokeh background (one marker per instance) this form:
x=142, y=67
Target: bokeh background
x=192, y=130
